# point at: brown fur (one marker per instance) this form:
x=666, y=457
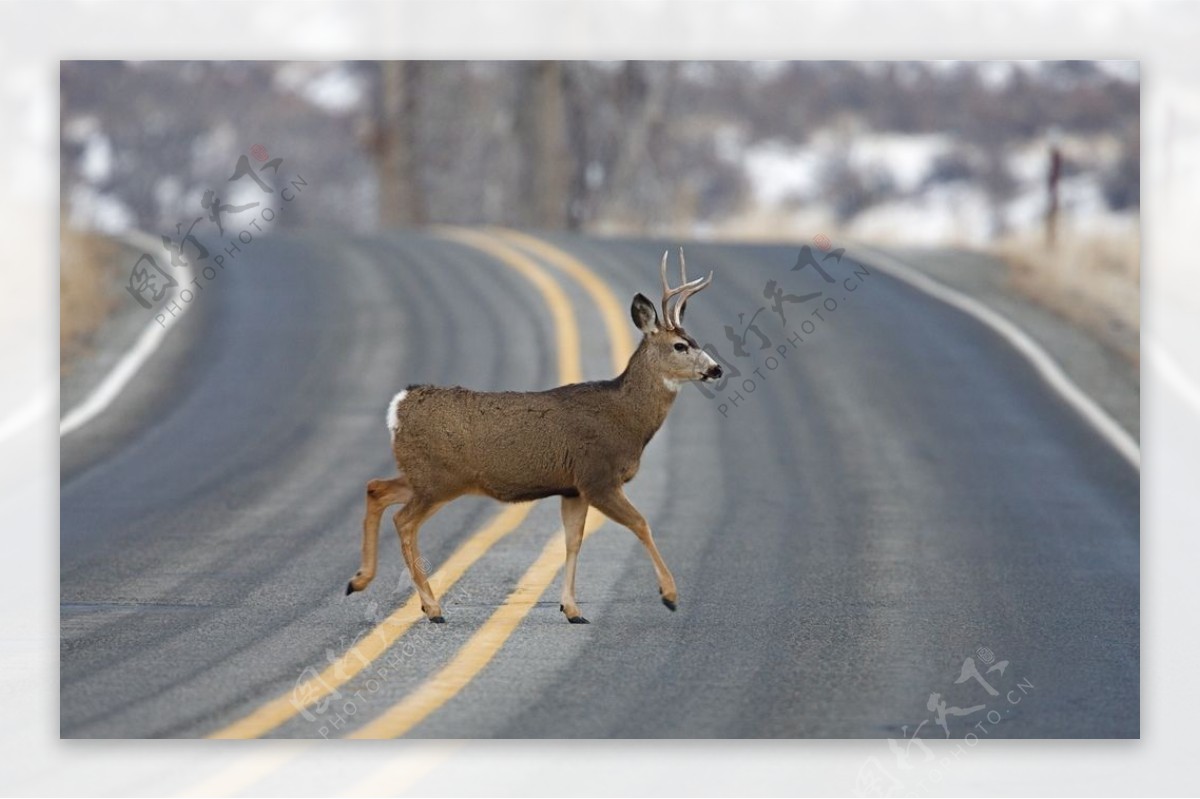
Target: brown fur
x=452, y=441
x=581, y=441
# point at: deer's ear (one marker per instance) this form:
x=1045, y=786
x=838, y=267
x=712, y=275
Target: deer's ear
x=644, y=315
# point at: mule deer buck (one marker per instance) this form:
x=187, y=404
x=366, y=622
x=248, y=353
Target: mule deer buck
x=582, y=442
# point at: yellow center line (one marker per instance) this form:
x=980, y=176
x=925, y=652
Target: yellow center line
x=479, y=650
x=486, y=643
x=570, y=369
x=277, y=711
x=615, y=315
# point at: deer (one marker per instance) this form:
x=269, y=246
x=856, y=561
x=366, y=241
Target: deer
x=582, y=442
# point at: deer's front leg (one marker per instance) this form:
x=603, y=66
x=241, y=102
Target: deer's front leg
x=615, y=505
x=574, y=515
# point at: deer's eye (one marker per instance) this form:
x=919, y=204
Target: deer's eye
x=680, y=346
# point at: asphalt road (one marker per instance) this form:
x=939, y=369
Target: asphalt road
x=899, y=493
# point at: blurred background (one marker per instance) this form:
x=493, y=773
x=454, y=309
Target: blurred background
x=1036, y=162
x=928, y=152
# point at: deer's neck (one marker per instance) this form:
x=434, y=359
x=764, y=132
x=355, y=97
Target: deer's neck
x=646, y=398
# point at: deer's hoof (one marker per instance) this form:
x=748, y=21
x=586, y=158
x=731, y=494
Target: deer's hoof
x=670, y=603
x=358, y=582
x=574, y=619
x=437, y=619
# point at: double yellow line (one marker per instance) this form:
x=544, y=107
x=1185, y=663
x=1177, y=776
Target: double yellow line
x=512, y=249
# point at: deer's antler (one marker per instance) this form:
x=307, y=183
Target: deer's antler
x=673, y=316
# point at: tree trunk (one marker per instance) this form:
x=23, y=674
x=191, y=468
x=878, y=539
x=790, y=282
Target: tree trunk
x=401, y=201
x=542, y=135
x=643, y=100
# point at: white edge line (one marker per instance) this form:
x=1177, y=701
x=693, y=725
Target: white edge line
x=127, y=366
x=1046, y=366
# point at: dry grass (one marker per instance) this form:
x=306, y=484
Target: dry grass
x=752, y=225
x=87, y=290
x=1093, y=279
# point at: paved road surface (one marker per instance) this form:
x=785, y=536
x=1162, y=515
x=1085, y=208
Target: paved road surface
x=897, y=493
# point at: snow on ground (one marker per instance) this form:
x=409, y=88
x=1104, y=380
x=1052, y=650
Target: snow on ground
x=779, y=172
x=908, y=160
x=92, y=209
x=790, y=179
x=948, y=213
x=332, y=88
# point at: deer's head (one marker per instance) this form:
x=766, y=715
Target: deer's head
x=666, y=347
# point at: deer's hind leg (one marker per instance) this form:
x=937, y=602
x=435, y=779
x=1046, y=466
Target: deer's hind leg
x=615, y=505
x=380, y=494
x=408, y=524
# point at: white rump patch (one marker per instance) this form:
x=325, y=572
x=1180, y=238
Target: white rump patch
x=393, y=423
x=672, y=385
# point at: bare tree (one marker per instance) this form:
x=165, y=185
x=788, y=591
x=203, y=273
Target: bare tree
x=642, y=99
x=541, y=130
x=392, y=134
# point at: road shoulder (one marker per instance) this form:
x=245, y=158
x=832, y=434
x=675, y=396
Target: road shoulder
x=144, y=398
x=1099, y=369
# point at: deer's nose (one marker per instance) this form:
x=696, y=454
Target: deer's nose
x=714, y=372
